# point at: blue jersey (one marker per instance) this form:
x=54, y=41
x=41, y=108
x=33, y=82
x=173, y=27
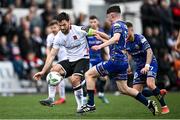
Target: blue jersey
x=116, y=49
x=137, y=49
x=117, y=66
x=95, y=56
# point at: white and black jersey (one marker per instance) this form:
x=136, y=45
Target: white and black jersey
x=75, y=43
x=62, y=54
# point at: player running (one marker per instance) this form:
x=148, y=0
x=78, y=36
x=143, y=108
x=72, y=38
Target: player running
x=116, y=66
x=73, y=38
x=146, y=65
x=62, y=55
x=98, y=56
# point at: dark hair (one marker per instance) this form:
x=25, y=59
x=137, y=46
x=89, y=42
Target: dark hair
x=113, y=9
x=62, y=16
x=93, y=17
x=53, y=22
x=129, y=24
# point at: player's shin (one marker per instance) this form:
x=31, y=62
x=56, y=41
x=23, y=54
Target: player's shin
x=159, y=97
x=78, y=93
x=51, y=91
x=61, y=87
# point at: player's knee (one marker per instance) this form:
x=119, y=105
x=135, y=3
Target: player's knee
x=90, y=74
x=57, y=68
x=75, y=80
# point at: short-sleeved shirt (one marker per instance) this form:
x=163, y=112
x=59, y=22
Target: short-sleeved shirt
x=137, y=49
x=75, y=43
x=116, y=49
x=62, y=54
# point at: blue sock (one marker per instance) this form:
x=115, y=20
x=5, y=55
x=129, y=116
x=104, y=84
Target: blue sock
x=147, y=93
x=142, y=99
x=159, y=97
x=91, y=97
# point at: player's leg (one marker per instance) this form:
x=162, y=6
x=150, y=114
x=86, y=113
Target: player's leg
x=150, y=82
x=100, y=84
x=80, y=67
x=90, y=76
x=156, y=92
x=122, y=85
x=61, y=91
x=52, y=89
x=121, y=80
x=77, y=88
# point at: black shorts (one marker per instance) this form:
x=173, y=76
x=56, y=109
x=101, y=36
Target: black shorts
x=78, y=67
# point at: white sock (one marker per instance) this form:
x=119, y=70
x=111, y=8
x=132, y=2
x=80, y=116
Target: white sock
x=78, y=96
x=61, y=88
x=51, y=91
x=84, y=100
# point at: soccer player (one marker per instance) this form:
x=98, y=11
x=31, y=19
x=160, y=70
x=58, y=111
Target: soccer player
x=116, y=66
x=73, y=38
x=177, y=46
x=98, y=56
x=146, y=65
x=62, y=55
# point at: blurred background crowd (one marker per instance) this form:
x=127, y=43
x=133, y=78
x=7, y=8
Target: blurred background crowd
x=23, y=37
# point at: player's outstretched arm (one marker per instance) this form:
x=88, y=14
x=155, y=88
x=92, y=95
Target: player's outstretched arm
x=111, y=41
x=177, y=46
x=47, y=65
x=100, y=38
x=102, y=34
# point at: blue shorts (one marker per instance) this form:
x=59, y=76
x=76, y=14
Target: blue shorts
x=116, y=70
x=93, y=63
x=140, y=78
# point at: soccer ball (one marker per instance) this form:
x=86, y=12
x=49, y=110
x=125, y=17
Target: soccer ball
x=54, y=78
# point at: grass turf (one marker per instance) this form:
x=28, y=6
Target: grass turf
x=120, y=107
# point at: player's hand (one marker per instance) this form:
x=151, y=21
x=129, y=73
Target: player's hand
x=145, y=69
x=96, y=47
x=98, y=36
x=38, y=75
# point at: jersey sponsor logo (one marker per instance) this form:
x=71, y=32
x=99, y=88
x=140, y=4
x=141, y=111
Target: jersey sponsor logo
x=137, y=46
x=143, y=40
x=75, y=37
x=117, y=25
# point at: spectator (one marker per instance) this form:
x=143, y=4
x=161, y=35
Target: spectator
x=175, y=8
x=16, y=57
x=25, y=43
x=157, y=41
x=166, y=76
x=4, y=49
x=38, y=43
x=33, y=64
x=33, y=18
x=80, y=19
x=48, y=14
x=7, y=27
x=24, y=26
x=165, y=18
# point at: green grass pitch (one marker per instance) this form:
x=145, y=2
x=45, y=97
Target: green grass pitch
x=120, y=107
